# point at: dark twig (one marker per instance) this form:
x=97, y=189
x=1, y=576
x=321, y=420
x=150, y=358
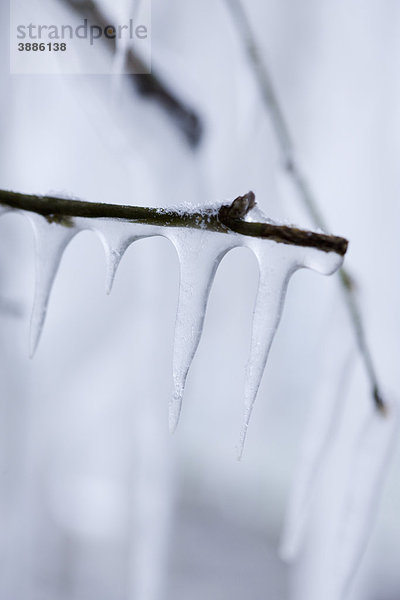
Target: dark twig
x=147, y=84
x=229, y=218
x=294, y=171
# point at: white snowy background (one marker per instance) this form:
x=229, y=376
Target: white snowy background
x=97, y=499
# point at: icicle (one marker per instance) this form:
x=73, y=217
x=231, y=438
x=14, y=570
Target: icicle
x=371, y=456
x=116, y=239
x=51, y=241
x=200, y=253
x=271, y=293
x=277, y=263
x=113, y=261
x=325, y=415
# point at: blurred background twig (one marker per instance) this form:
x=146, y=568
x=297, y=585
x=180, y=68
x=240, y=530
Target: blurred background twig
x=304, y=189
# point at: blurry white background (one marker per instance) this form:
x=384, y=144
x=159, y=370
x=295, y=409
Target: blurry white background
x=97, y=499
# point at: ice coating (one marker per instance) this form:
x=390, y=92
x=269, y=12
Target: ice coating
x=200, y=253
x=114, y=256
x=51, y=240
x=277, y=263
x=272, y=286
x=116, y=238
x=369, y=464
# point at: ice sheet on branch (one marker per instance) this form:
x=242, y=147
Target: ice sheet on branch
x=199, y=251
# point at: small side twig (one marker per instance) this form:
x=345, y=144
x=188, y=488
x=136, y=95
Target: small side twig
x=305, y=192
x=229, y=218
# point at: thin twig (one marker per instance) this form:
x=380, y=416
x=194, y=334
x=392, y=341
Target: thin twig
x=147, y=84
x=227, y=219
x=300, y=181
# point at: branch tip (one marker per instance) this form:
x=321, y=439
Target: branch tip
x=380, y=403
x=241, y=206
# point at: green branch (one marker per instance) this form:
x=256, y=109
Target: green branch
x=229, y=218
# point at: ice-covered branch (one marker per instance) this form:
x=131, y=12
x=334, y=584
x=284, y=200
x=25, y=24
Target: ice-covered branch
x=201, y=237
x=300, y=181
x=147, y=84
x=228, y=218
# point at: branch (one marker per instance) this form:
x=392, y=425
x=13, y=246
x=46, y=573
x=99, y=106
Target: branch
x=229, y=218
x=305, y=192
x=147, y=84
